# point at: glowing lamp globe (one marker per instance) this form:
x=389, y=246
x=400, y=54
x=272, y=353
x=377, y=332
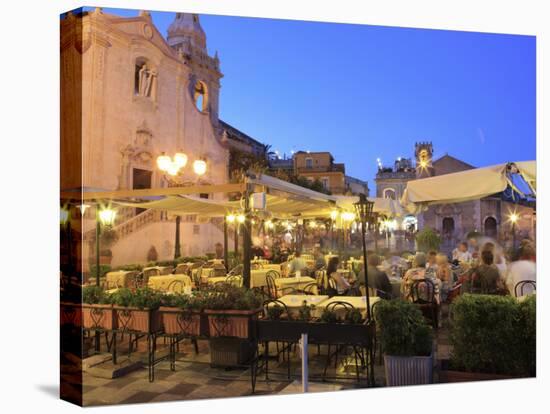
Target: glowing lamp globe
x=180, y=159
x=230, y=218
x=173, y=169
x=240, y=218
x=107, y=216
x=164, y=162
x=199, y=166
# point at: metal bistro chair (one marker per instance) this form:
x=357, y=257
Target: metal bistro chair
x=272, y=289
x=182, y=269
x=310, y=289
x=236, y=271
x=422, y=294
x=176, y=286
x=286, y=346
x=520, y=286
x=347, y=307
x=321, y=280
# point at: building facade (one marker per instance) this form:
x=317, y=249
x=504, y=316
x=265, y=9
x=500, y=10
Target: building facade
x=488, y=216
x=139, y=95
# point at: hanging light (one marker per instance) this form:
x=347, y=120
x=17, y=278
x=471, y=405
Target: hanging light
x=107, y=216
x=199, y=166
x=63, y=215
x=83, y=208
x=240, y=218
x=180, y=159
x=230, y=218
x=348, y=216
x=163, y=162
x=334, y=215
x=269, y=224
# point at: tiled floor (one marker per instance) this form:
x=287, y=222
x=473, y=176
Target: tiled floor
x=194, y=378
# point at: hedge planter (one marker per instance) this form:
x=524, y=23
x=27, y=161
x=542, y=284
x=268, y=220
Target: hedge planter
x=138, y=320
x=235, y=323
x=414, y=370
x=98, y=317
x=180, y=322
x=448, y=375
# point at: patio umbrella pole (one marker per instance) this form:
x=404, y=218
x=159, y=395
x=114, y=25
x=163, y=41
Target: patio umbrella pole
x=177, y=248
x=225, y=253
x=97, y=234
x=247, y=239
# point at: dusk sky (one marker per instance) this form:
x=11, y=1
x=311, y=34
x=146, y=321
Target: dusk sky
x=363, y=92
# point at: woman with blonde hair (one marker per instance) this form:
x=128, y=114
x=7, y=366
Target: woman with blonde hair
x=444, y=273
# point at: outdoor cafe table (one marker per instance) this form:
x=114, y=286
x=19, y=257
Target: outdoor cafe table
x=358, y=302
x=236, y=280
x=294, y=282
x=162, y=282
x=294, y=302
x=118, y=279
x=164, y=270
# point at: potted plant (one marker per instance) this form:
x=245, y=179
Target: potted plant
x=108, y=238
x=492, y=337
x=407, y=343
x=97, y=310
x=181, y=314
x=137, y=310
x=427, y=239
x=230, y=310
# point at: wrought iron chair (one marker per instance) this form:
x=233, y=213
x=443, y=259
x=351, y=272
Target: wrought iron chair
x=520, y=286
x=286, y=346
x=422, y=294
x=310, y=289
x=236, y=271
x=176, y=286
x=321, y=280
x=182, y=269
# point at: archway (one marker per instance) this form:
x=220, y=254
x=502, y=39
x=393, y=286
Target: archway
x=490, y=227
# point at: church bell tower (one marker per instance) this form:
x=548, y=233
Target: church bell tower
x=187, y=38
x=423, y=153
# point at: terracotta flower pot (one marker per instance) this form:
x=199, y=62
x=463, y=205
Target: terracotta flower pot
x=98, y=316
x=230, y=322
x=138, y=320
x=177, y=321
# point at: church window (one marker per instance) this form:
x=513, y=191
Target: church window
x=200, y=96
x=389, y=193
x=145, y=78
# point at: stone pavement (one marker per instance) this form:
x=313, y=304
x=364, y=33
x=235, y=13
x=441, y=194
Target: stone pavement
x=194, y=378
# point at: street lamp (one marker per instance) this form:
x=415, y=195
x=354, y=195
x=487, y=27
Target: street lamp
x=106, y=217
x=364, y=210
x=514, y=217
x=172, y=169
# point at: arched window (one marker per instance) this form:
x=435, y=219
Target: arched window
x=448, y=226
x=200, y=96
x=389, y=193
x=490, y=227
x=145, y=78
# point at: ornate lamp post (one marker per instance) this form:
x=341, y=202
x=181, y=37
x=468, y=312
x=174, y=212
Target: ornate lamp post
x=364, y=208
x=106, y=217
x=172, y=169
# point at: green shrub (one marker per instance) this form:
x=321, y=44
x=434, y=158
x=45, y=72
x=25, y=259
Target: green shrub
x=427, y=239
x=274, y=312
x=403, y=330
x=103, y=269
x=353, y=316
x=493, y=334
x=193, y=302
x=140, y=298
x=93, y=295
x=227, y=297
x=328, y=316
x=304, y=312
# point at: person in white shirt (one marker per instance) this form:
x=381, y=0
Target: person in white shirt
x=461, y=253
x=524, y=268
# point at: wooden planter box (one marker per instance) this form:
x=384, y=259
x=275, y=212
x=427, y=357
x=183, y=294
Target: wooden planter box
x=235, y=323
x=414, y=370
x=230, y=352
x=71, y=314
x=98, y=317
x=137, y=320
x=318, y=332
x=179, y=322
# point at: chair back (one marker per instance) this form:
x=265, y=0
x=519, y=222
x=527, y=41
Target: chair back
x=234, y=280
x=519, y=289
x=154, y=271
x=454, y=292
x=272, y=292
x=273, y=302
x=310, y=289
x=422, y=291
x=237, y=270
x=274, y=274
x=340, y=307
x=181, y=269
x=197, y=277
x=176, y=286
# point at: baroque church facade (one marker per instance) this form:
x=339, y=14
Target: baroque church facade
x=488, y=216
x=138, y=95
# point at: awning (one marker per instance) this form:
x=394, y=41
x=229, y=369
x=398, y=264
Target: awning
x=383, y=206
x=466, y=185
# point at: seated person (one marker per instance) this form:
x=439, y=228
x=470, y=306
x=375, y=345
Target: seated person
x=461, y=253
x=431, y=265
x=377, y=279
x=342, y=285
x=319, y=257
x=485, y=277
x=524, y=268
x=297, y=264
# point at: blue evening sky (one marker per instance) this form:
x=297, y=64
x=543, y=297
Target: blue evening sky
x=363, y=92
